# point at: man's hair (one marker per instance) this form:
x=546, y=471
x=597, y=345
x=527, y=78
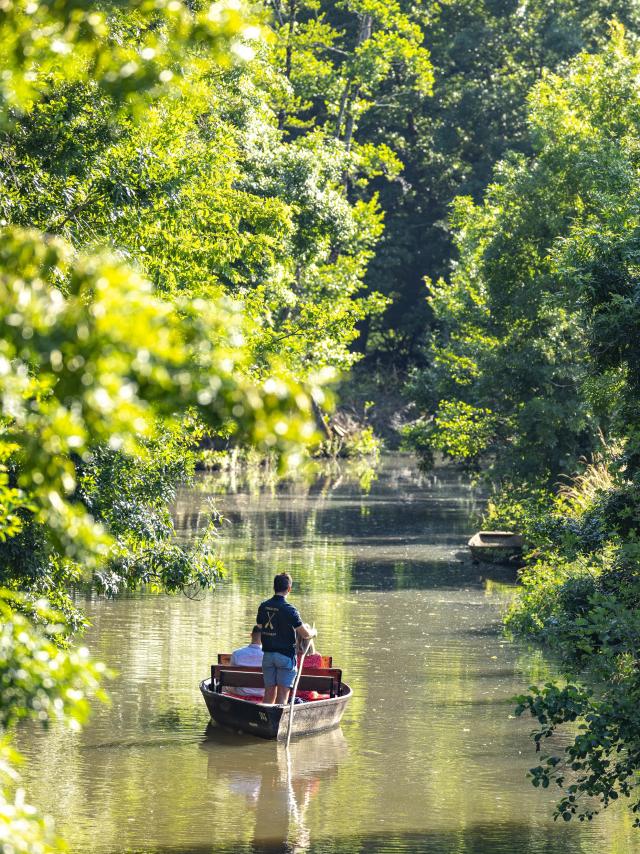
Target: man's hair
x=282, y=582
x=256, y=630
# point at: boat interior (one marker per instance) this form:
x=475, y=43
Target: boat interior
x=315, y=683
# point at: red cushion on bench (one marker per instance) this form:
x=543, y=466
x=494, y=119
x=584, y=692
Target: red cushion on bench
x=242, y=697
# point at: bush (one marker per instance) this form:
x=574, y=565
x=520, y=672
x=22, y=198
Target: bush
x=581, y=597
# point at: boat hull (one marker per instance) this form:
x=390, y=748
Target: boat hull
x=272, y=722
x=499, y=547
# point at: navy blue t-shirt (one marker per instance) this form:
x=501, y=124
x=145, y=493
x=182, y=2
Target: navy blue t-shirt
x=279, y=621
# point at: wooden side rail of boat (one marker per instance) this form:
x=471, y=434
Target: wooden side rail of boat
x=225, y=658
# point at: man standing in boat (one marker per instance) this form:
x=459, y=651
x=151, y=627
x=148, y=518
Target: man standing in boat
x=279, y=623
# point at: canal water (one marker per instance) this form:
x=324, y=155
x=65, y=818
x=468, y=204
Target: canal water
x=428, y=759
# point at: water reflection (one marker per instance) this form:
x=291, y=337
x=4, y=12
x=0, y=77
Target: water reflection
x=276, y=786
x=407, y=531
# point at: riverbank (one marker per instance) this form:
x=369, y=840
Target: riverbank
x=580, y=597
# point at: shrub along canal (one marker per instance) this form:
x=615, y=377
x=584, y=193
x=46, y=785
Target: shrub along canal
x=428, y=758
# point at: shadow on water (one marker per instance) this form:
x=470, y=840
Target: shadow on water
x=426, y=574
x=512, y=838
x=407, y=531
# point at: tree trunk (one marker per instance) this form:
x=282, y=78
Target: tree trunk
x=288, y=50
x=321, y=420
x=350, y=93
x=293, y=14
x=343, y=106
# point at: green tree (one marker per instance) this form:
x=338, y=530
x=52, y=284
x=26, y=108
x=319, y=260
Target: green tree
x=42, y=681
x=486, y=56
x=516, y=339
x=355, y=70
x=344, y=61
x=208, y=199
x=509, y=359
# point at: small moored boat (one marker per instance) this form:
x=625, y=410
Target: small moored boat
x=228, y=709
x=496, y=546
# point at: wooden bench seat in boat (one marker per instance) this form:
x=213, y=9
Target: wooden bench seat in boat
x=319, y=679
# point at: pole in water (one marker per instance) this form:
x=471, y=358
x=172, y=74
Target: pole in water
x=295, y=688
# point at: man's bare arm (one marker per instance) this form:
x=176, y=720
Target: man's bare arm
x=306, y=632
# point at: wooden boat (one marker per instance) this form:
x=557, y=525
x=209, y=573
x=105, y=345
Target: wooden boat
x=245, y=715
x=496, y=547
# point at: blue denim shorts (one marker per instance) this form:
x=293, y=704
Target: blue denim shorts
x=278, y=669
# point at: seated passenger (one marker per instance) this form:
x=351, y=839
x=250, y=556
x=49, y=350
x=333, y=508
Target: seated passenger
x=249, y=656
x=311, y=659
